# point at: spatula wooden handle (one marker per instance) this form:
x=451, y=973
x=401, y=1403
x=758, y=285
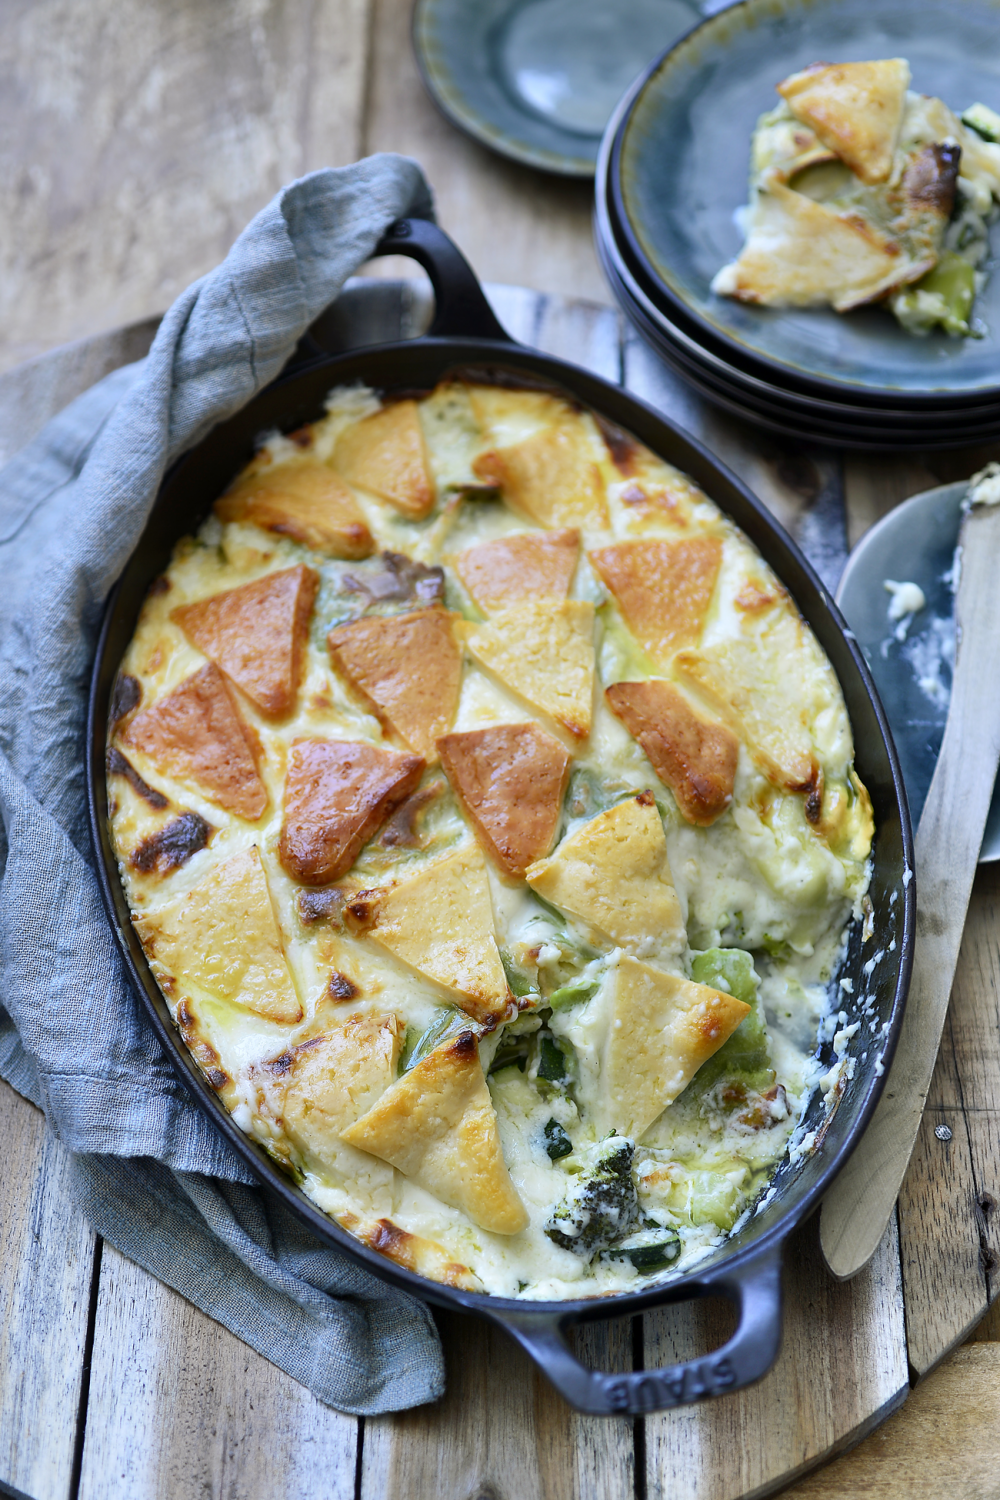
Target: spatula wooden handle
x=858, y=1206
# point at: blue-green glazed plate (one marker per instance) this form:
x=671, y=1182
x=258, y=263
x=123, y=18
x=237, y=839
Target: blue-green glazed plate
x=537, y=80
x=678, y=173
x=915, y=543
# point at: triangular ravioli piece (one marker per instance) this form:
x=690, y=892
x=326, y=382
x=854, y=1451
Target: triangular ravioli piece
x=409, y=670
x=331, y=1081
x=257, y=635
x=660, y=1031
x=663, y=589
x=696, y=759
x=305, y=501
x=530, y=565
x=613, y=873
x=549, y=476
x=385, y=455
x=771, y=688
x=510, y=780
x=338, y=793
x=196, y=733
x=437, y=1126
x=222, y=936
x=800, y=253
x=855, y=109
x=545, y=652
x=440, y=922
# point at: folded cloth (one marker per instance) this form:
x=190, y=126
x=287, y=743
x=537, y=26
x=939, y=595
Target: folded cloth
x=154, y=1176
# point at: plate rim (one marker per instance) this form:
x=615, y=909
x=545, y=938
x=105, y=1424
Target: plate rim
x=579, y=167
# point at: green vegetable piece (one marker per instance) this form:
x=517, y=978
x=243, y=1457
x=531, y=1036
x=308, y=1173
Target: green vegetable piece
x=517, y=980
x=557, y=1142
x=746, y=1052
x=602, y=1206
x=562, y=934
x=715, y=1199
x=943, y=298
x=573, y=993
x=655, y=1255
x=954, y=280
x=728, y=969
x=513, y=1053
x=553, y=1064
x=418, y=1043
x=983, y=120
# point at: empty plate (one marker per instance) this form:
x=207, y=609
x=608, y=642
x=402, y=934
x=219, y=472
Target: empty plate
x=538, y=79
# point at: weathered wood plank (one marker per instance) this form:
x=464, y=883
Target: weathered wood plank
x=943, y=1441
x=875, y=483
x=514, y=224
x=180, y=1408
x=948, y=1214
x=501, y=1432
x=841, y=1370
x=136, y=141
x=46, y=1266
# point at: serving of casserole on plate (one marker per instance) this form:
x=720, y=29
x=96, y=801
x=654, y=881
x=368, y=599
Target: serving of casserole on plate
x=488, y=817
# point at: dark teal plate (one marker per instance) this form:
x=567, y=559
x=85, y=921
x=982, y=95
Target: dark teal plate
x=915, y=543
x=678, y=174
x=537, y=80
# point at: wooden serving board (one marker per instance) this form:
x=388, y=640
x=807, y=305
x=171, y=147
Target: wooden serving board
x=112, y=1387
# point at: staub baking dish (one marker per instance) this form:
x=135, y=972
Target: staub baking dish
x=745, y=1268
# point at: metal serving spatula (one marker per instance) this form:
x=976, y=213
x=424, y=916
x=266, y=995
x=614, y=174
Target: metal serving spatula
x=858, y=1206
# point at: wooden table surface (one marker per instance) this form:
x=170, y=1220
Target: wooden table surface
x=137, y=138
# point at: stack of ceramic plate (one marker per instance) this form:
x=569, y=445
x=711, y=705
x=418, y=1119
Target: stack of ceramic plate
x=671, y=179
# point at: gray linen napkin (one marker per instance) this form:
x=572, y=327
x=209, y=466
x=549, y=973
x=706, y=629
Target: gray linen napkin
x=152, y=1174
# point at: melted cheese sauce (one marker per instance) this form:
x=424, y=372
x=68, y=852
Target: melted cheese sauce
x=762, y=878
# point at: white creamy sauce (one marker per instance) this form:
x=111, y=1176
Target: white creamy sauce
x=760, y=879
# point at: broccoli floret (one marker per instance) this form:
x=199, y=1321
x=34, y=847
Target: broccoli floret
x=602, y=1205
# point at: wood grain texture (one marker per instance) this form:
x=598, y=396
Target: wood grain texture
x=212, y=1418
x=514, y=224
x=841, y=1370
x=948, y=1204
x=875, y=483
x=942, y=1443
x=136, y=140
x=946, y=850
x=46, y=1264
x=501, y=1432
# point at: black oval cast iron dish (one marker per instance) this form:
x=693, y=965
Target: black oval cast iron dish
x=746, y=1267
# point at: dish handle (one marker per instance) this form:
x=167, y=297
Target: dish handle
x=460, y=306
x=753, y=1286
